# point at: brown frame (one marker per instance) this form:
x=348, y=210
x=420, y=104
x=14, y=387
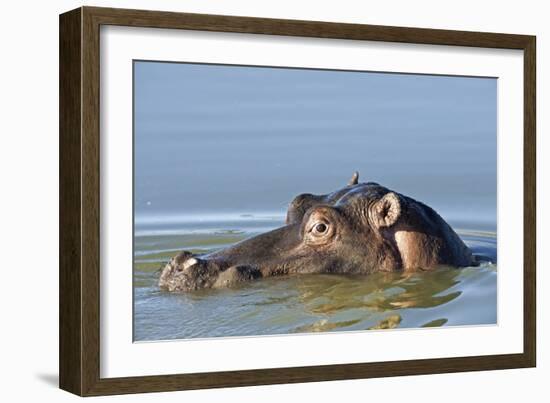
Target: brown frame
x=79, y=200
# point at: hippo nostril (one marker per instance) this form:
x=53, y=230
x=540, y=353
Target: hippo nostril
x=182, y=257
x=189, y=262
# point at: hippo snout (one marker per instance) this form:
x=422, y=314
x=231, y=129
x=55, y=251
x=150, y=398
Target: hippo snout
x=187, y=272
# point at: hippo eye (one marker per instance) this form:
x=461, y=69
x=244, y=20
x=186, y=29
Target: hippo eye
x=320, y=228
x=321, y=225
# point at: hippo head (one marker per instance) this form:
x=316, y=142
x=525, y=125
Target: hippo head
x=359, y=229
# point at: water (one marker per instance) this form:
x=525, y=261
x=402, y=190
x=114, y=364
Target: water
x=220, y=151
x=306, y=303
x=225, y=139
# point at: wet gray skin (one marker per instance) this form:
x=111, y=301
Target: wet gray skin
x=359, y=229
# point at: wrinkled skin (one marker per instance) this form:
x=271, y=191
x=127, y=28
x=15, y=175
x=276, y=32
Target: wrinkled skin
x=360, y=229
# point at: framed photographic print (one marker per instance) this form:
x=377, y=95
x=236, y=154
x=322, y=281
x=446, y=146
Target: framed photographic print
x=249, y=201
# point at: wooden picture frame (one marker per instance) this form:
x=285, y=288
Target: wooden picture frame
x=79, y=346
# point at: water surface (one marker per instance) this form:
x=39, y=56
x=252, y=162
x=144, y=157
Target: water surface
x=301, y=303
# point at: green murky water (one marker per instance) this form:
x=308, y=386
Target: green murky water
x=306, y=303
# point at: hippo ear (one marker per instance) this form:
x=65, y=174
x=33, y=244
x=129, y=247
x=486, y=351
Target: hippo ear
x=387, y=210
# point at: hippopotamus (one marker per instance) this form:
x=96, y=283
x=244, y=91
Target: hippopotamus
x=359, y=229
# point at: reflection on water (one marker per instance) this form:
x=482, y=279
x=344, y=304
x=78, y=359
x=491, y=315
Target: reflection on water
x=302, y=303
